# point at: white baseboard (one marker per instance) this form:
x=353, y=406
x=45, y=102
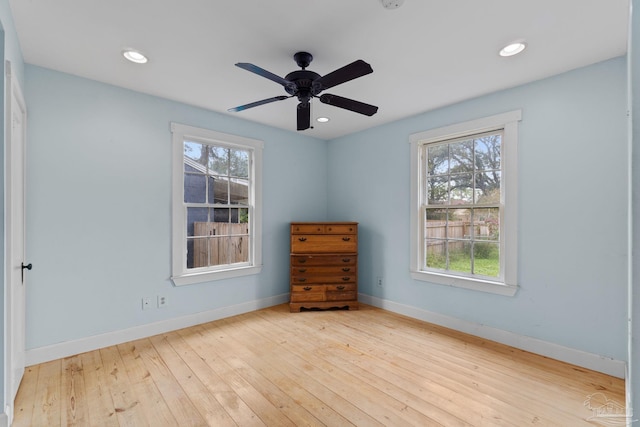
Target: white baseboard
x=70, y=348
x=4, y=420
x=609, y=366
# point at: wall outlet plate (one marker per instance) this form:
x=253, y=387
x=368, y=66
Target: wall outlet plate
x=146, y=303
x=162, y=301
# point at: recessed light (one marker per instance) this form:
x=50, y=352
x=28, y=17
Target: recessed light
x=322, y=119
x=134, y=56
x=513, y=48
x=392, y=4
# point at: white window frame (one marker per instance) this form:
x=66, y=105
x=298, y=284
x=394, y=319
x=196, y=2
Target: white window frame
x=180, y=274
x=507, y=284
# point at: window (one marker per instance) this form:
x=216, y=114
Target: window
x=464, y=207
x=216, y=205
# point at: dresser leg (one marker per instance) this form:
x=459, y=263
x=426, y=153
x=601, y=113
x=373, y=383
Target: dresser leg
x=294, y=308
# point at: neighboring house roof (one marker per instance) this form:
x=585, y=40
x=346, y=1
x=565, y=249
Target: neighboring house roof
x=237, y=187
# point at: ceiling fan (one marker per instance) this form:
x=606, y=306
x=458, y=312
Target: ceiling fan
x=305, y=84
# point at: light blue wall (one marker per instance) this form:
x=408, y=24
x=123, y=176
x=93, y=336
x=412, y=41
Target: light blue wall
x=572, y=210
x=99, y=193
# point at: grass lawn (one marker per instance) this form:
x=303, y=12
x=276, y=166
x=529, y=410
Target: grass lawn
x=461, y=262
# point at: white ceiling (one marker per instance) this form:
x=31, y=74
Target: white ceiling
x=425, y=54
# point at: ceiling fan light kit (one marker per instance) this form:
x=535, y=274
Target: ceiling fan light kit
x=305, y=85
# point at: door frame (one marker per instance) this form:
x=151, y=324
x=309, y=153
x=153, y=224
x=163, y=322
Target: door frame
x=12, y=271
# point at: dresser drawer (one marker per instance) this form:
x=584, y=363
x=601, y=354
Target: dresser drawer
x=341, y=296
x=302, y=279
x=307, y=228
x=312, y=260
x=341, y=288
x=341, y=229
x=303, y=270
x=324, y=243
x=307, y=293
x=324, y=228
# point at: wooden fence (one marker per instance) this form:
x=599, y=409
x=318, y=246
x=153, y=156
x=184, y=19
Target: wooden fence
x=437, y=233
x=227, y=243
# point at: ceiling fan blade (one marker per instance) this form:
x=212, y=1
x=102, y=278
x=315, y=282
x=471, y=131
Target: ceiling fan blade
x=269, y=75
x=257, y=103
x=304, y=116
x=352, y=71
x=349, y=104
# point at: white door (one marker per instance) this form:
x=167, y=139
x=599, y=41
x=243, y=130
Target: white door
x=16, y=124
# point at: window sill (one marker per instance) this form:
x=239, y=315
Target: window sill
x=466, y=283
x=209, y=276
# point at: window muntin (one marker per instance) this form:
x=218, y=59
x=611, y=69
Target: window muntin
x=216, y=209
x=465, y=189
x=462, y=205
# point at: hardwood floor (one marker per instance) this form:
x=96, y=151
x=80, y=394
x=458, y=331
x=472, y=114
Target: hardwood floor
x=334, y=368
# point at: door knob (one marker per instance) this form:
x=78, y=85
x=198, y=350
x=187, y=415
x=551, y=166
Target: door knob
x=28, y=267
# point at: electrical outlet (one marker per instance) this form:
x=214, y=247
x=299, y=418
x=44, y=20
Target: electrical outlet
x=146, y=303
x=379, y=281
x=162, y=301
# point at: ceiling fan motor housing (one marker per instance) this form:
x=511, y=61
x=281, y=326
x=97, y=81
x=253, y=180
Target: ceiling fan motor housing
x=304, y=84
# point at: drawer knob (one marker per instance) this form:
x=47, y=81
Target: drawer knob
x=302, y=279
x=307, y=288
x=302, y=239
x=345, y=269
x=302, y=270
x=346, y=279
x=302, y=260
x=340, y=287
x=346, y=259
x=346, y=239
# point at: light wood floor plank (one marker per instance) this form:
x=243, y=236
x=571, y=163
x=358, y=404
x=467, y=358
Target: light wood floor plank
x=153, y=406
x=345, y=357
x=101, y=408
x=267, y=381
x=171, y=391
x=396, y=381
x=239, y=411
x=204, y=401
x=362, y=393
x=23, y=410
x=265, y=357
x=46, y=409
x=267, y=412
x=123, y=391
x=333, y=368
x=74, y=406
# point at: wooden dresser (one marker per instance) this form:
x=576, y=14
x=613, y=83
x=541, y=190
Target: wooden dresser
x=324, y=265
